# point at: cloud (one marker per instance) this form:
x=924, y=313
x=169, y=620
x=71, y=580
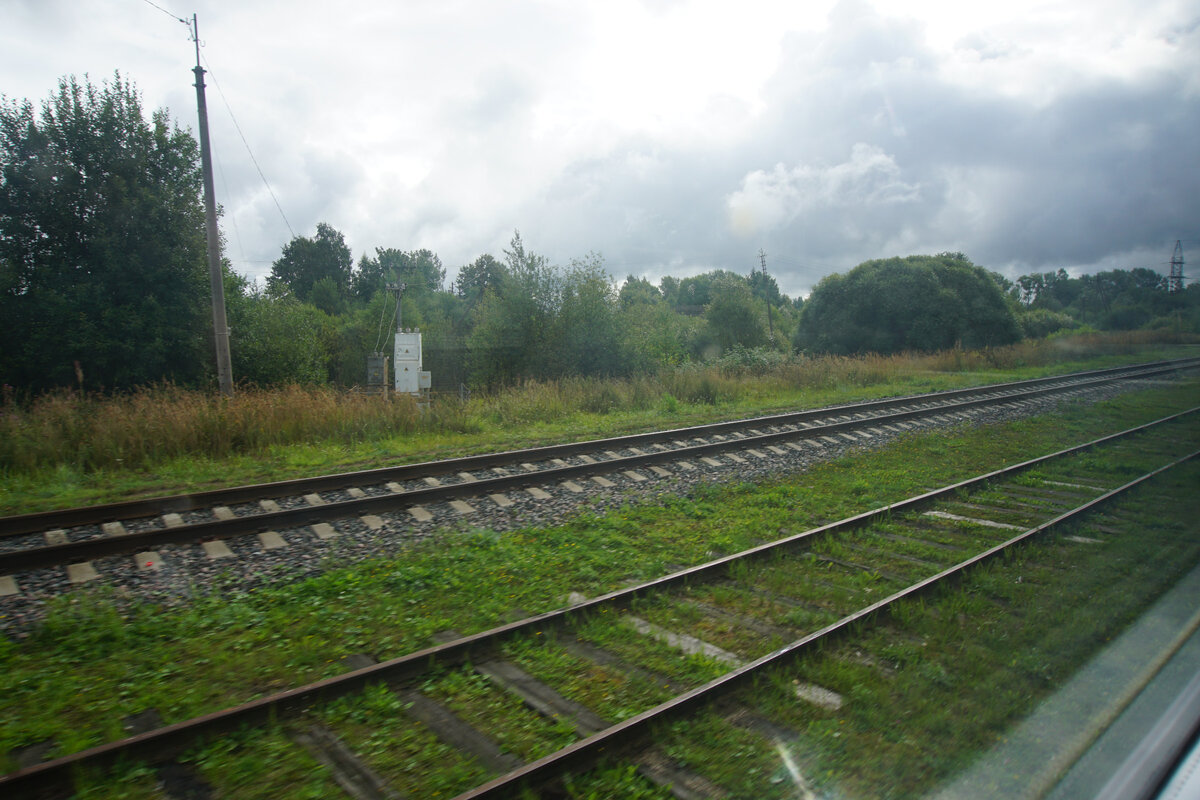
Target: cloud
x=871, y=146
x=672, y=135
x=769, y=200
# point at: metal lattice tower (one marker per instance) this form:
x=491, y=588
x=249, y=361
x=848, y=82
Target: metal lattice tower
x=762, y=257
x=1175, y=282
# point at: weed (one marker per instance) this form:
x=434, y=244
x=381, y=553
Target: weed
x=64, y=448
x=74, y=679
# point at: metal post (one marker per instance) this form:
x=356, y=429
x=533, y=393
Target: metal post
x=220, y=324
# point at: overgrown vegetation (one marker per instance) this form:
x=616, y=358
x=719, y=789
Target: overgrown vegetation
x=1111, y=300
x=76, y=677
x=146, y=429
x=102, y=265
x=944, y=678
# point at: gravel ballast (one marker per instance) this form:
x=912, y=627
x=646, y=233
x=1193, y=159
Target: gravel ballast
x=185, y=571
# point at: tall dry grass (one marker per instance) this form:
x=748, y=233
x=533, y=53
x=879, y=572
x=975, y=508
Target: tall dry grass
x=163, y=422
x=141, y=428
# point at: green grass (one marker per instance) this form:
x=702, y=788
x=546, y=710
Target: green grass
x=402, y=751
x=98, y=659
x=944, y=677
x=256, y=765
x=613, y=781
x=63, y=450
x=514, y=727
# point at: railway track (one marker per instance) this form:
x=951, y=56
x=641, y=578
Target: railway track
x=732, y=619
x=70, y=539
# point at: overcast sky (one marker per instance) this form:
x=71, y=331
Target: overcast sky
x=672, y=136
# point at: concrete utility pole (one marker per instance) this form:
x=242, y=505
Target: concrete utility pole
x=397, y=289
x=762, y=257
x=220, y=324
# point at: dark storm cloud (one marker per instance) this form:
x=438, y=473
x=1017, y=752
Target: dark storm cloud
x=448, y=125
x=868, y=149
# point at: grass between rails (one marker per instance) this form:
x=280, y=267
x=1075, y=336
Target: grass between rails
x=64, y=450
x=95, y=661
x=943, y=678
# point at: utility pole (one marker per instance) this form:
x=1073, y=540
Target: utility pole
x=220, y=324
x=397, y=289
x=762, y=257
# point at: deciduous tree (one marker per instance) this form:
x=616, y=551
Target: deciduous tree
x=914, y=303
x=480, y=275
x=733, y=314
x=102, y=248
x=306, y=261
x=421, y=271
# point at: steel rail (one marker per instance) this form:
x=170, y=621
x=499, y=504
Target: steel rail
x=169, y=741
x=35, y=522
x=619, y=738
x=211, y=530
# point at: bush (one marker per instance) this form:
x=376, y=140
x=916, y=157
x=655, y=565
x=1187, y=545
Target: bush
x=752, y=361
x=1039, y=323
x=918, y=303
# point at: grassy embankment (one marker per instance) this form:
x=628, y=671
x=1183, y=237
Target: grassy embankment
x=64, y=450
x=96, y=661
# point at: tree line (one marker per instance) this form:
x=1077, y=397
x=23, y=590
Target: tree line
x=103, y=285
x=500, y=320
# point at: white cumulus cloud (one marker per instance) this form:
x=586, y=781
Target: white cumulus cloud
x=769, y=200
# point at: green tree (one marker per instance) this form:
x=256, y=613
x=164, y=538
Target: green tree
x=766, y=289
x=512, y=326
x=669, y=286
x=734, y=315
x=654, y=336
x=306, y=261
x=691, y=295
x=277, y=339
x=421, y=271
x=368, y=279
x=915, y=303
x=1111, y=300
x=102, y=248
x=480, y=275
x=326, y=295
x=444, y=321
x=585, y=335
x=638, y=291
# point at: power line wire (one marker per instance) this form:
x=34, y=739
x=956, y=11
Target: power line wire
x=232, y=117
x=237, y=235
x=247, y=144
x=382, y=311
x=168, y=13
